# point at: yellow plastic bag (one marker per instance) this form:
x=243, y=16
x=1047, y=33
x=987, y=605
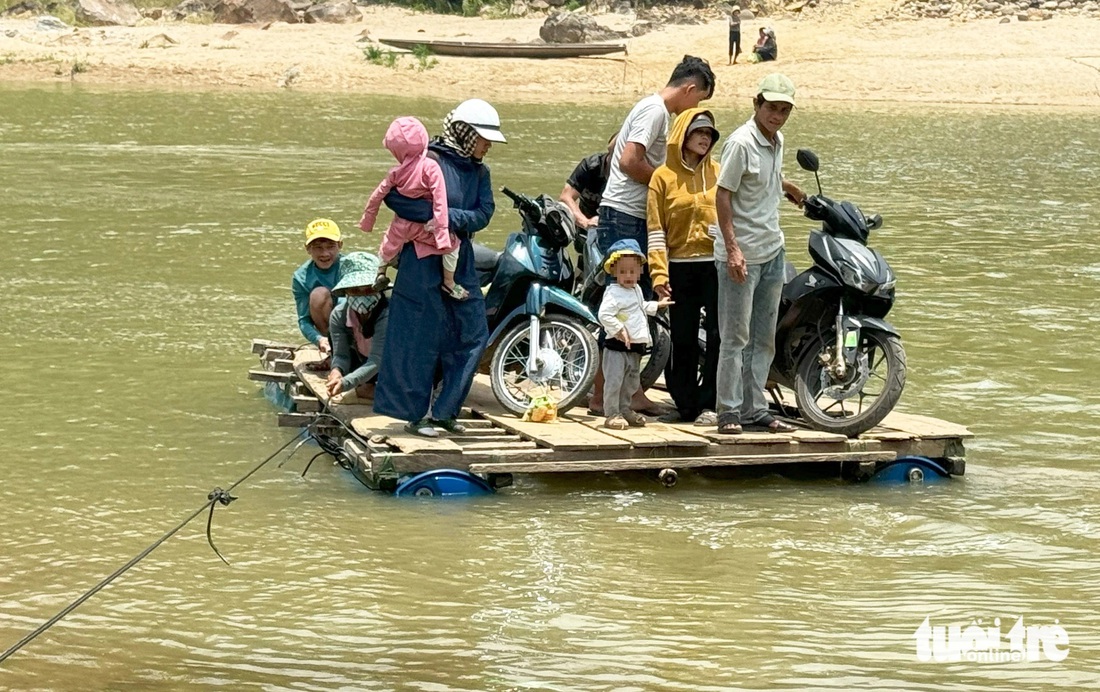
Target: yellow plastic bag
x=542, y=409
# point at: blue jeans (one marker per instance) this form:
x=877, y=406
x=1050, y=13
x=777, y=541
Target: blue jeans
x=747, y=315
x=614, y=226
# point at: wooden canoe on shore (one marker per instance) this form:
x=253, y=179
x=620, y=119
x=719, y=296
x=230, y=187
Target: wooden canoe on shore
x=472, y=49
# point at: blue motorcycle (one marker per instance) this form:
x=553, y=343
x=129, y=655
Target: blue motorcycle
x=540, y=337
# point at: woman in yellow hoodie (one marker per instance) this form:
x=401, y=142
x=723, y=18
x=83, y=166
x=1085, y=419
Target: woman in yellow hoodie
x=682, y=219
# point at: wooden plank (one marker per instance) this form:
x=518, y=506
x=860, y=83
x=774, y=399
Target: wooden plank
x=674, y=463
x=924, y=426
x=745, y=438
x=654, y=434
x=269, y=376
x=281, y=365
x=474, y=456
x=362, y=419
x=261, y=345
x=276, y=354
x=494, y=445
x=295, y=420
x=817, y=436
x=564, y=434
x=306, y=404
x=885, y=434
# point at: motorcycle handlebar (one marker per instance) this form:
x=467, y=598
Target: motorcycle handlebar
x=522, y=202
x=816, y=207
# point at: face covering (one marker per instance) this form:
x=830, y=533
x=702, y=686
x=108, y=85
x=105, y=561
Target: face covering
x=458, y=135
x=363, y=304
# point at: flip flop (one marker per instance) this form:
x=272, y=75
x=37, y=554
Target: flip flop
x=458, y=293
x=772, y=424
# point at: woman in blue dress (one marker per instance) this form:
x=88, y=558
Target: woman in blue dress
x=434, y=337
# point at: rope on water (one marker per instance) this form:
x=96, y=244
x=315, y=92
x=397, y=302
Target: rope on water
x=216, y=496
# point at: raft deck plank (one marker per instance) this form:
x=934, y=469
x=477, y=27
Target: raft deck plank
x=652, y=435
x=678, y=462
x=499, y=442
x=562, y=435
x=924, y=427
x=360, y=417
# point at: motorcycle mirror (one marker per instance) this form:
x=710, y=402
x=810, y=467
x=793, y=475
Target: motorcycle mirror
x=809, y=161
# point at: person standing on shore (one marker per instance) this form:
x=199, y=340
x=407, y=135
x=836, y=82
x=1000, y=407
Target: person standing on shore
x=735, y=34
x=749, y=257
x=640, y=147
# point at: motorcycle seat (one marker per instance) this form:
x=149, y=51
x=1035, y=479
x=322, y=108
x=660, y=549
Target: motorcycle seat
x=485, y=258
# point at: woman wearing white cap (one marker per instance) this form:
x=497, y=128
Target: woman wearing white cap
x=438, y=334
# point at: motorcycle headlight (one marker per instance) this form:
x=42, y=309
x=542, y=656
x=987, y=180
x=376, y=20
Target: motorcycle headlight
x=884, y=289
x=854, y=277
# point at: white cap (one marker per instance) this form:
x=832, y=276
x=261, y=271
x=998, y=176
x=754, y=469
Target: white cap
x=479, y=115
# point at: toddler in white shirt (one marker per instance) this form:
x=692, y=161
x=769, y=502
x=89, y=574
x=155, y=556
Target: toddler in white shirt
x=623, y=315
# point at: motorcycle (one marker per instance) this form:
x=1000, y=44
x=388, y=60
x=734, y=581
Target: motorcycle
x=589, y=290
x=844, y=361
x=540, y=337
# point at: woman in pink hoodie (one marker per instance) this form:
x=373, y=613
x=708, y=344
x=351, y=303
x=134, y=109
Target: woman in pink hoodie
x=418, y=177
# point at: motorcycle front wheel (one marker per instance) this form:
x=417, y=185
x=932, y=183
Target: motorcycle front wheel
x=859, y=401
x=568, y=360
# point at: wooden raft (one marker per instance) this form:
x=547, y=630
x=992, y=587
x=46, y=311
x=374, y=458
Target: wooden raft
x=497, y=442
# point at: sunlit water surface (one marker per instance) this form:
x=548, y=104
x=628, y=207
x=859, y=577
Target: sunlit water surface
x=147, y=237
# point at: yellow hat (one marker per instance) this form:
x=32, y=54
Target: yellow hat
x=322, y=228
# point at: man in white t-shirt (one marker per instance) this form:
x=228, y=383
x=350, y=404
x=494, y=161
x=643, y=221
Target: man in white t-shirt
x=750, y=258
x=639, y=150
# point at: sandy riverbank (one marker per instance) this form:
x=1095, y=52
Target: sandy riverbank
x=844, y=56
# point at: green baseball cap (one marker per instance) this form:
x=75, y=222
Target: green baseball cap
x=356, y=269
x=777, y=87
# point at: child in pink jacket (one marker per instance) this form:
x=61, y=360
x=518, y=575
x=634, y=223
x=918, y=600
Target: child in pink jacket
x=418, y=177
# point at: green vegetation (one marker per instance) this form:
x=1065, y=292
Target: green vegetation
x=424, y=59
x=377, y=56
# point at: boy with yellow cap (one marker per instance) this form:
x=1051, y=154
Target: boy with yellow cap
x=313, y=282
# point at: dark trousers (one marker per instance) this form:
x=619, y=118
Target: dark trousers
x=694, y=288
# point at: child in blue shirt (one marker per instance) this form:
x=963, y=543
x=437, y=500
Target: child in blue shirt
x=313, y=282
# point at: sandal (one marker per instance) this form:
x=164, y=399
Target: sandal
x=770, y=423
x=728, y=426
x=421, y=428
x=451, y=425
x=706, y=419
x=457, y=292
x=616, y=423
x=634, y=420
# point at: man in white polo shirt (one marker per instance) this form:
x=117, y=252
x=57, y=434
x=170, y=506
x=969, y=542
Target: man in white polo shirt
x=640, y=149
x=750, y=257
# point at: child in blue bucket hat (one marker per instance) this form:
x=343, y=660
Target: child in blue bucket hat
x=622, y=314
